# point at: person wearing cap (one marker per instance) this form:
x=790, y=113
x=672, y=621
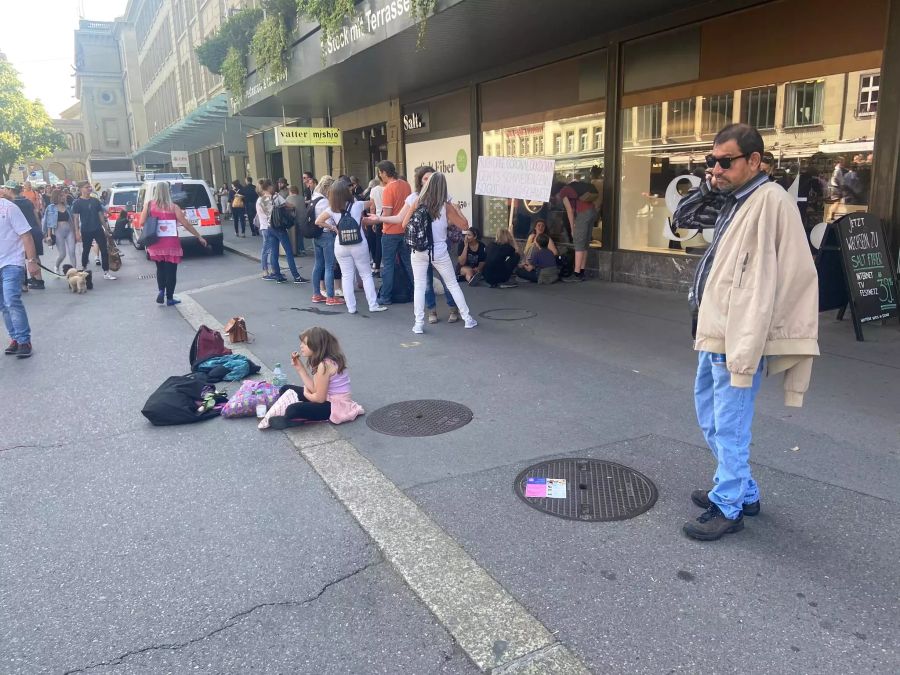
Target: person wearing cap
x=17, y=255
x=27, y=208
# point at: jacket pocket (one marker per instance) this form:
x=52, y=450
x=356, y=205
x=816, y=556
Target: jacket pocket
x=742, y=272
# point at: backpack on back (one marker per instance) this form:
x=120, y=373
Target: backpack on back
x=308, y=227
x=282, y=218
x=418, y=230
x=238, y=201
x=348, y=230
x=207, y=343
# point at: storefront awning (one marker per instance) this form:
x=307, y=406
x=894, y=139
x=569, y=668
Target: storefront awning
x=847, y=147
x=208, y=125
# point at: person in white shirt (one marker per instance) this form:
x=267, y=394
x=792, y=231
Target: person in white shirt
x=373, y=232
x=17, y=254
x=324, y=248
x=268, y=201
x=435, y=200
x=350, y=247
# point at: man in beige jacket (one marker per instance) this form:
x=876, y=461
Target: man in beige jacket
x=755, y=295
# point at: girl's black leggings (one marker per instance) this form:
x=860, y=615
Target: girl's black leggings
x=298, y=414
x=166, y=273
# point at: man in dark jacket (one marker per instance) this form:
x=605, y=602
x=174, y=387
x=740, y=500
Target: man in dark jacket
x=248, y=192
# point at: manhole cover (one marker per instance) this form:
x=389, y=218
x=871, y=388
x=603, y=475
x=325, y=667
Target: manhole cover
x=508, y=314
x=419, y=418
x=316, y=310
x=593, y=489
x=146, y=276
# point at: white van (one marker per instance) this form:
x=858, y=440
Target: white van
x=199, y=206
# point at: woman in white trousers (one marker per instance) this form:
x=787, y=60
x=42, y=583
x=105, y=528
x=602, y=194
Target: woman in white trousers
x=433, y=198
x=353, y=258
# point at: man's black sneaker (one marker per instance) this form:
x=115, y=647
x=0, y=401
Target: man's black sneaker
x=711, y=525
x=12, y=349
x=36, y=284
x=24, y=350
x=701, y=499
x=280, y=280
x=300, y=280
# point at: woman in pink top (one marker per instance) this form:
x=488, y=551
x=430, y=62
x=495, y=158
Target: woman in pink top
x=166, y=252
x=325, y=394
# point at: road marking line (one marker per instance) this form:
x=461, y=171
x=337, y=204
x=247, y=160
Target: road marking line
x=224, y=284
x=488, y=623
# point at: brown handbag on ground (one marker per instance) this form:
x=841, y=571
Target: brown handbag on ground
x=236, y=329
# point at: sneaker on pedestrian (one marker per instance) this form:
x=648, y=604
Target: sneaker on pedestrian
x=280, y=280
x=432, y=316
x=378, y=308
x=300, y=280
x=269, y=277
x=471, y=322
x=161, y=298
x=476, y=279
x=712, y=524
x=454, y=315
x=173, y=301
x=338, y=293
x=318, y=298
x=97, y=262
x=12, y=348
x=36, y=284
x=335, y=301
x=24, y=350
x=701, y=499
x=509, y=284
x=418, y=328
x=107, y=275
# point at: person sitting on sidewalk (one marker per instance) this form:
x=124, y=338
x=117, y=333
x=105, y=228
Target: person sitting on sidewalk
x=472, y=257
x=325, y=394
x=541, y=266
x=540, y=226
x=756, y=299
x=502, y=260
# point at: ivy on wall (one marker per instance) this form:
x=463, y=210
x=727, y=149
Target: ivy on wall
x=270, y=47
x=234, y=73
x=236, y=31
x=329, y=14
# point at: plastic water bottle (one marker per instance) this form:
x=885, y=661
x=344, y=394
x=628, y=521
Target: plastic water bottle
x=278, y=377
x=260, y=407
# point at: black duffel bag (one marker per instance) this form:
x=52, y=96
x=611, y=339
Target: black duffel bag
x=175, y=401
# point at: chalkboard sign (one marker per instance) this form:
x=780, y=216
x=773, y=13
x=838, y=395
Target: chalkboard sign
x=868, y=268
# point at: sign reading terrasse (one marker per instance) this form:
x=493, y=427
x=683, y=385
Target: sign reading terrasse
x=304, y=136
x=515, y=178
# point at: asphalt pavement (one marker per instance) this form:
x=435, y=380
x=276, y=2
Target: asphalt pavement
x=219, y=549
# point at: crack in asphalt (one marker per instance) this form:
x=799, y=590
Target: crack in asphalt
x=230, y=622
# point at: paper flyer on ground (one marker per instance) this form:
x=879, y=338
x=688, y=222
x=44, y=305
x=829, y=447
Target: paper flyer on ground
x=554, y=488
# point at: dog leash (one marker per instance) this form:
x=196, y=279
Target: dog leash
x=47, y=269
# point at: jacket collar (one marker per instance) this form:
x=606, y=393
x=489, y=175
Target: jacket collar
x=750, y=187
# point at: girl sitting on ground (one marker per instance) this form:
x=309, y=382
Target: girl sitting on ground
x=325, y=394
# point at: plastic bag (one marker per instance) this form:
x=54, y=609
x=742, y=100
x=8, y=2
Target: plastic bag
x=244, y=401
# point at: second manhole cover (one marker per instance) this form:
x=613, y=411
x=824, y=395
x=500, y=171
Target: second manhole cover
x=586, y=489
x=427, y=417
x=508, y=314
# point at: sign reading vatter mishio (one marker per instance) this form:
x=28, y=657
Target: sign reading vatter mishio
x=304, y=136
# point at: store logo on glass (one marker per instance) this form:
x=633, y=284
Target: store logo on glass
x=415, y=120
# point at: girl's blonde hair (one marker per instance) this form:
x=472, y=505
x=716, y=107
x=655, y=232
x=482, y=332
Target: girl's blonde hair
x=323, y=345
x=434, y=195
x=504, y=237
x=325, y=183
x=162, y=196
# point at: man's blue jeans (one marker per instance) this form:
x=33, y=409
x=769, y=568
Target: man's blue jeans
x=324, y=246
x=725, y=414
x=281, y=238
x=391, y=246
x=430, y=299
x=12, y=277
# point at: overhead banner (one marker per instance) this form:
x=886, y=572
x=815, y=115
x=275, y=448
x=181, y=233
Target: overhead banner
x=515, y=178
x=180, y=158
x=450, y=156
x=306, y=136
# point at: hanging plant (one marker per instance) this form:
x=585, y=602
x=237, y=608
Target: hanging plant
x=238, y=30
x=234, y=73
x=420, y=11
x=329, y=14
x=270, y=47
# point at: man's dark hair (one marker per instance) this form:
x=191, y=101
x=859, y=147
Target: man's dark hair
x=387, y=167
x=767, y=158
x=308, y=174
x=542, y=240
x=746, y=137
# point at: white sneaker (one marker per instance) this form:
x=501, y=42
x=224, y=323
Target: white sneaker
x=107, y=275
x=338, y=293
x=471, y=322
x=418, y=328
x=378, y=308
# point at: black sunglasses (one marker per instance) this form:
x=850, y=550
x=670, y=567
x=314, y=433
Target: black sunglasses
x=724, y=162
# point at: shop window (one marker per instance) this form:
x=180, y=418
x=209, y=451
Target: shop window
x=681, y=117
x=570, y=142
x=758, y=107
x=868, y=94
x=803, y=103
x=717, y=112
x=557, y=144
x=649, y=122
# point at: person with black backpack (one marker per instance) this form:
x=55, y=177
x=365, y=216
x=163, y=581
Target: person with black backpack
x=275, y=219
x=323, y=243
x=343, y=216
x=426, y=235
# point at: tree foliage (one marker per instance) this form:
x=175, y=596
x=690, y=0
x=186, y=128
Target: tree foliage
x=26, y=130
x=235, y=32
x=234, y=73
x=330, y=14
x=270, y=47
